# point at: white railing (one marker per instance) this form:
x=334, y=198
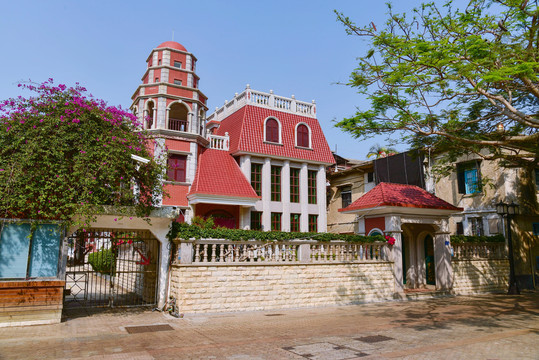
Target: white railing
x=234, y=252
x=220, y=251
x=346, y=252
x=479, y=251
x=219, y=142
x=265, y=100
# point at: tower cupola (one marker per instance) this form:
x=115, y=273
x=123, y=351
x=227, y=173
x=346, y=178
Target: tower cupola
x=169, y=97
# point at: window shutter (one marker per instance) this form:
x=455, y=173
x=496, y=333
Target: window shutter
x=460, y=180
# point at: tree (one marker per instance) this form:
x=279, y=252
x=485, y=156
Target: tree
x=454, y=81
x=380, y=151
x=64, y=155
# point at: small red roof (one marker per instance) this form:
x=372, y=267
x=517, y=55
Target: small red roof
x=246, y=130
x=219, y=174
x=388, y=194
x=172, y=44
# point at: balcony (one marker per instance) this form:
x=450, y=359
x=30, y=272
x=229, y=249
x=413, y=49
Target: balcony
x=177, y=125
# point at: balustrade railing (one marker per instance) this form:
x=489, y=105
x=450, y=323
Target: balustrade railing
x=219, y=142
x=177, y=124
x=232, y=252
x=266, y=100
x=347, y=252
x=219, y=251
x=479, y=251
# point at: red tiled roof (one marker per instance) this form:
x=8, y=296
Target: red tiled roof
x=172, y=44
x=246, y=130
x=388, y=194
x=219, y=174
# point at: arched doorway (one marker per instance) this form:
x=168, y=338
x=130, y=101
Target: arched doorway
x=429, y=260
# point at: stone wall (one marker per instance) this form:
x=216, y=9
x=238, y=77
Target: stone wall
x=246, y=287
x=480, y=276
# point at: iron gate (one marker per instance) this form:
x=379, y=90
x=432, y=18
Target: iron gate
x=108, y=268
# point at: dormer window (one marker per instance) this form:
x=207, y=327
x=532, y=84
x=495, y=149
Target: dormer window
x=272, y=131
x=303, y=136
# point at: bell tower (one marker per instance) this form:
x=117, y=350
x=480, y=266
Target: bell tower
x=169, y=97
x=172, y=108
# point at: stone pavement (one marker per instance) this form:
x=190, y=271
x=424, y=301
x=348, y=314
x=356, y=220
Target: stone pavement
x=478, y=327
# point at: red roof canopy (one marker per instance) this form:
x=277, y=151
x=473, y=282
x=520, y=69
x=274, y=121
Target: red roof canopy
x=246, y=130
x=388, y=194
x=219, y=174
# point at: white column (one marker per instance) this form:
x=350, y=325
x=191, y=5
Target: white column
x=360, y=230
x=442, y=257
x=321, y=198
x=266, y=195
x=160, y=156
x=245, y=217
x=304, y=198
x=245, y=166
x=245, y=212
x=161, y=113
x=192, y=162
x=393, y=228
x=285, y=195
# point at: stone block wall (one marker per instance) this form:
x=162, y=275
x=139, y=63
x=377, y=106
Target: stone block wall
x=246, y=287
x=480, y=276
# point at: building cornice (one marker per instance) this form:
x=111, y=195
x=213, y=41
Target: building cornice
x=276, y=157
x=198, y=198
x=136, y=97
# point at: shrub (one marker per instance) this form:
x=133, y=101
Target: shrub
x=103, y=261
x=463, y=239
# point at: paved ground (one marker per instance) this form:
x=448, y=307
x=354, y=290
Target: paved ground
x=480, y=327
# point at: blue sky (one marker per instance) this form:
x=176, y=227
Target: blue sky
x=290, y=47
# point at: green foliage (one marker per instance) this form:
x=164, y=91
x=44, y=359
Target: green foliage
x=463, y=239
x=186, y=231
x=103, y=261
x=204, y=223
x=444, y=79
x=381, y=151
x=64, y=156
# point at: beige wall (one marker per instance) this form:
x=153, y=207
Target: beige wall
x=200, y=289
x=480, y=276
x=339, y=222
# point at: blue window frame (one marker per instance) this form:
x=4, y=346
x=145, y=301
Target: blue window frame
x=470, y=181
x=469, y=177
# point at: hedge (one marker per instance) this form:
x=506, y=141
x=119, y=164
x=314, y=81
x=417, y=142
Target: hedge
x=184, y=231
x=103, y=261
x=462, y=239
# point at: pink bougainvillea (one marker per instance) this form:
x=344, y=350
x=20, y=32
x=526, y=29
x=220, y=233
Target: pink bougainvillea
x=390, y=240
x=54, y=164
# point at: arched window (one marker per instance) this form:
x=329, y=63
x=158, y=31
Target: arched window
x=149, y=115
x=302, y=136
x=178, y=117
x=375, y=231
x=272, y=130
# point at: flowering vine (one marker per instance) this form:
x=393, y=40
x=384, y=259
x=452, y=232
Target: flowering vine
x=390, y=240
x=65, y=155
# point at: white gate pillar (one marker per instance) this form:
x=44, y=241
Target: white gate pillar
x=442, y=257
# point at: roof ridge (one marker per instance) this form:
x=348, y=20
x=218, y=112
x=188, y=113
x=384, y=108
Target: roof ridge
x=240, y=134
